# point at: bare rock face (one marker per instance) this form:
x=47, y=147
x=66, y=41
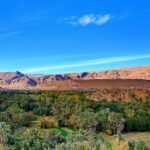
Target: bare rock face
x=18, y=80
x=15, y=80
x=127, y=73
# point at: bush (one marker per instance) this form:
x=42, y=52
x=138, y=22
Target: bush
x=115, y=122
x=34, y=140
x=72, y=121
x=56, y=136
x=138, y=145
x=137, y=124
x=16, y=116
x=109, y=132
x=5, y=133
x=48, y=123
x=41, y=111
x=129, y=113
x=82, y=142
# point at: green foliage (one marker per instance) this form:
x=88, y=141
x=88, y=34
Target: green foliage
x=34, y=140
x=115, y=122
x=15, y=115
x=140, y=122
x=5, y=133
x=81, y=142
x=21, y=111
x=137, y=145
x=87, y=121
x=129, y=113
x=63, y=132
x=41, y=111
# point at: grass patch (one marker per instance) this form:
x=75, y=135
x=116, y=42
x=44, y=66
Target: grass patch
x=65, y=131
x=72, y=129
x=35, y=119
x=69, y=130
x=62, y=131
x=108, y=145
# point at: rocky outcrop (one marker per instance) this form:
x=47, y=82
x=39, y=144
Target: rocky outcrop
x=16, y=80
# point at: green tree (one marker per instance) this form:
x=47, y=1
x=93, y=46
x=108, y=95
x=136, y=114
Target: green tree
x=5, y=133
x=115, y=122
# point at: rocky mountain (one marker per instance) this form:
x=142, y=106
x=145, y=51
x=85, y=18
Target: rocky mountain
x=18, y=80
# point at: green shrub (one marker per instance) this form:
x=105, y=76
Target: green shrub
x=41, y=111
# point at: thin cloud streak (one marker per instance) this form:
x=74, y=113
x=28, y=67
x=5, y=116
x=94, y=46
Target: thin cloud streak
x=89, y=19
x=87, y=63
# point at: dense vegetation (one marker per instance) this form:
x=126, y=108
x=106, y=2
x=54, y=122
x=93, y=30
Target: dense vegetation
x=35, y=120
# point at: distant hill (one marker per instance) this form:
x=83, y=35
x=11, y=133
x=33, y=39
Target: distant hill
x=18, y=80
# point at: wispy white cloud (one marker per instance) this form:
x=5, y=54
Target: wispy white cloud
x=89, y=19
x=87, y=63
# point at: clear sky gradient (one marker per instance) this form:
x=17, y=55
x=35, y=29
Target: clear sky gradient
x=61, y=36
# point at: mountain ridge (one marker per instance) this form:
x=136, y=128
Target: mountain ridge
x=18, y=80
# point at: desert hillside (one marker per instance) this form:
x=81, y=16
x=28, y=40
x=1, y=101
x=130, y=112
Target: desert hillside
x=95, y=84
x=105, y=79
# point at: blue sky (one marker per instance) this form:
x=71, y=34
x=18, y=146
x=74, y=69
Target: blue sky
x=64, y=36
